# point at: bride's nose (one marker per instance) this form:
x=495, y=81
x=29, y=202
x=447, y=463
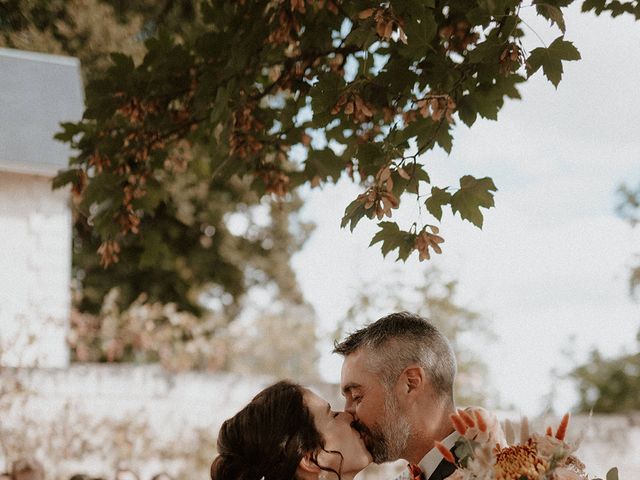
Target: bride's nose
x=346, y=417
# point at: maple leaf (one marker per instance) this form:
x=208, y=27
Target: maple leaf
x=473, y=194
x=550, y=59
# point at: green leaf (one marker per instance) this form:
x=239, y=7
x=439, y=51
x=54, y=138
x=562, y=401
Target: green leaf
x=550, y=59
x=495, y=7
x=121, y=62
x=353, y=214
x=69, y=130
x=612, y=474
x=420, y=29
x=488, y=51
x=551, y=13
x=464, y=450
x=473, y=194
x=467, y=111
x=444, y=137
x=324, y=95
x=64, y=177
x=412, y=185
x=324, y=164
x=439, y=197
x=417, y=174
x=371, y=157
x=479, y=16
x=362, y=36
x=595, y=5
x=426, y=132
x=393, y=238
x=154, y=252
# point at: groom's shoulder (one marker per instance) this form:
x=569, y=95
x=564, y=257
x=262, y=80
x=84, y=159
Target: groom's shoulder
x=405, y=475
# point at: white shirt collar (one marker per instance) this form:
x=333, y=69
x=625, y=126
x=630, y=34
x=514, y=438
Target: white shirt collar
x=432, y=459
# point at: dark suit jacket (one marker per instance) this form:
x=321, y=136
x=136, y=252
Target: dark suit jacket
x=444, y=469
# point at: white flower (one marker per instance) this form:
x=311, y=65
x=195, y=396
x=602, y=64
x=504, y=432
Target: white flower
x=549, y=446
x=562, y=473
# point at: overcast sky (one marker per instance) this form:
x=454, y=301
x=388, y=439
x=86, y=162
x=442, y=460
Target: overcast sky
x=552, y=260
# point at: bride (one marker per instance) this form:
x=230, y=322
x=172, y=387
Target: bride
x=288, y=432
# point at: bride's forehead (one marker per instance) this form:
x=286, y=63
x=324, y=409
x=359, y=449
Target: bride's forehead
x=313, y=399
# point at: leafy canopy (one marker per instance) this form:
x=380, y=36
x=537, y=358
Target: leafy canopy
x=185, y=253
x=284, y=93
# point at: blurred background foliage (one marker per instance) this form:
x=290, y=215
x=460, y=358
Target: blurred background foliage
x=434, y=297
x=612, y=384
x=181, y=282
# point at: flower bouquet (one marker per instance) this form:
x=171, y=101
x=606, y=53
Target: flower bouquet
x=486, y=451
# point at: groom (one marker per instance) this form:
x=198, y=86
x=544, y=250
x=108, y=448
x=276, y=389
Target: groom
x=397, y=379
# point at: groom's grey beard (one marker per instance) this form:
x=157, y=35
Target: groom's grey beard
x=386, y=441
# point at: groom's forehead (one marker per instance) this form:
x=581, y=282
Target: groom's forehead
x=355, y=371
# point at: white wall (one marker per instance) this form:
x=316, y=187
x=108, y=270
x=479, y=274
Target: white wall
x=35, y=271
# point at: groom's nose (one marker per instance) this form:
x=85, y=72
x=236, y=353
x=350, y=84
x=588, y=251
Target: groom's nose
x=350, y=408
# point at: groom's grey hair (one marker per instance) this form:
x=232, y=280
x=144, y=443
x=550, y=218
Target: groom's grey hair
x=402, y=339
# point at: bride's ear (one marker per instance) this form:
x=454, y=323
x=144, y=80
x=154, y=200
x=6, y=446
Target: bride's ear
x=307, y=466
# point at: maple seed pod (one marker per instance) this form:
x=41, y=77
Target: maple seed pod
x=315, y=181
x=384, y=174
x=364, y=14
x=388, y=30
x=298, y=5
x=446, y=32
x=451, y=104
x=349, y=108
x=403, y=36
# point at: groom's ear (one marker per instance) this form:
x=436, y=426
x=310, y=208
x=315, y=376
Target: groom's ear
x=415, y=378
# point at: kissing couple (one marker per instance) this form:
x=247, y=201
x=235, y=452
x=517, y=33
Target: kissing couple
x=397, y=380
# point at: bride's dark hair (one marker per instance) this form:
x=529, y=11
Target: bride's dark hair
x=268, y=438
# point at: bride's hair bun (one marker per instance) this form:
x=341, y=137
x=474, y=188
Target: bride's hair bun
x=267, y=438
x=227, y=467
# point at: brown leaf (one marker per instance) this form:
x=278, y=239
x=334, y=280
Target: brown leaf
x=364, y=14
